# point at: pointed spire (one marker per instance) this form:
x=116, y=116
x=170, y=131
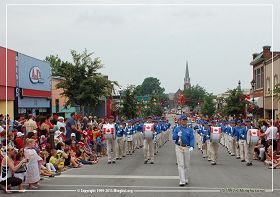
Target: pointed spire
x=187, y=80
x=187, y=71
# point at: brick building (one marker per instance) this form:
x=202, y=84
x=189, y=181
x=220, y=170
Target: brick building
x=265, y=80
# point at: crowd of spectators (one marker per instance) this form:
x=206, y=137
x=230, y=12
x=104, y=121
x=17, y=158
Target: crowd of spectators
x=45, y=146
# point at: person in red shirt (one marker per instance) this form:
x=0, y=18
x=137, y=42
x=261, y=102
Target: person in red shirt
x=48, y=122
x=19, y=141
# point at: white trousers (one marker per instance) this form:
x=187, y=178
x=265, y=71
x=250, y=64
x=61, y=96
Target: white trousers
x=148, y=149
x=183, y=161
x=249, y=151
x=119, y=147
x=242, y=144
x=111, y=150
x=214, y=146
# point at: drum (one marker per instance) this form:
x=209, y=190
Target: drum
x=253, y=136
x=216, y=134
x=148, y=130
x=108, y=131
x=129, y=138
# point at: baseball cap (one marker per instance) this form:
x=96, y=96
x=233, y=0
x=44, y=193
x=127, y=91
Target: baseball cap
x=183, y=117
x=73, y=135
x=57, y=133
x=19, y=134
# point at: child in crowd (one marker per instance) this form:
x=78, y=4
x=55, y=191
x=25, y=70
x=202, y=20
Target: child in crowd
x=57, y=161
x=21, y=172
x=74, y=162
x=33, y=170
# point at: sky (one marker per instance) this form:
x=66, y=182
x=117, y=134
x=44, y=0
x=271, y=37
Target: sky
x=139, y=41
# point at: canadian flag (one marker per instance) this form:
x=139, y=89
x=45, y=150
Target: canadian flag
x=148, y=127
x=254, y=132
x=216, y=130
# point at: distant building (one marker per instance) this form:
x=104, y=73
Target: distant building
x=171, y=100
x=59, y=101
x=187, y=80
x=263, y=76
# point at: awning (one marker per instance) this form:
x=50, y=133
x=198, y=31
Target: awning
x=258, y=101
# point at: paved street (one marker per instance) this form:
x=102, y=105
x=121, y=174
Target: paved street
x=162, y=177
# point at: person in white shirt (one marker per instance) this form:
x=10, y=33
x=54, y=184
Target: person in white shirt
x=61, y=123
x=30, y=125
x=271, y=132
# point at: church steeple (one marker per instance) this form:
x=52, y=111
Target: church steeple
x=187, y=80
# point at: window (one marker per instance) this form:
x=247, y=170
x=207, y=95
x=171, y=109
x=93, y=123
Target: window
x=262, y=77
x=259, y=77
x=267, y=85
x=275, y=82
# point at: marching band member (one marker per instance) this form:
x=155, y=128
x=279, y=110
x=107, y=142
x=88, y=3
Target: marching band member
x=184, y=140
x=214, y=146
x=119, y=141
x=129, y=137
x=236, y=138
x=109, y=130
x=138, y=130
x=157, y=129
x=242, y=141
x=124, y=150
x=248, y=148
x=206, y=141
x=231, y=138
x=148, y=134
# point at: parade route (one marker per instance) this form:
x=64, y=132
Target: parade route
x=131, y=177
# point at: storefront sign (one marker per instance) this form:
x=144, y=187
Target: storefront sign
x=35, y=75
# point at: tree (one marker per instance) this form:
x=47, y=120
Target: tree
x=129, y=103
x=56, y=63
x=276, y=91
x=150, y=86
x=235, y=104
x=208, y=107
x=83, y=84
x=153, y=107
x=194, y=95
x=220, y=103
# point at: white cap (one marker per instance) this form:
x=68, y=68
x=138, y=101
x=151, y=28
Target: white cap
x=73, y=135
x=57, y=133
x=19, y=134
x=34, y=131
x=60, y=117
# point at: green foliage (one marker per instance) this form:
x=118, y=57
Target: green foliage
x=276, y=91
x=150, y=86
x=56, y=63
x=83, y=84
x=129, y=103
x=153, y=107
x=157, y=99
x=220, y=103
x=208, y=107
x=235, y=104
x=194, y=95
